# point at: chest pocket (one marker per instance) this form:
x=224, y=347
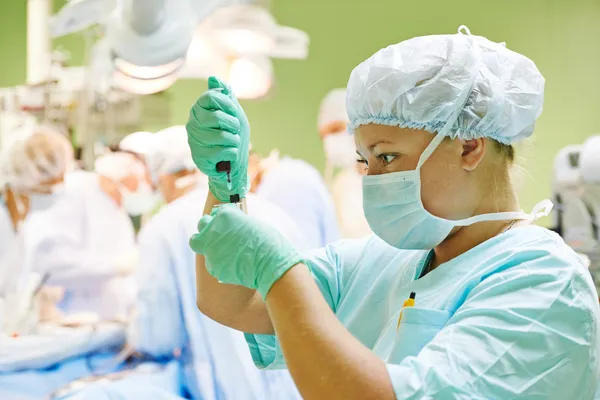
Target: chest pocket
x=417, y=328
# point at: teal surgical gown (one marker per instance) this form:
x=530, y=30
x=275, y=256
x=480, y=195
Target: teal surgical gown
x=515, y=317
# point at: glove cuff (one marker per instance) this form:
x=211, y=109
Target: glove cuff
x=265, y=284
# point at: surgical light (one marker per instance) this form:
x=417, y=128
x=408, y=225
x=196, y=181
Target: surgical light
x=142, y=86
x=149, y=41
x=244, y=30
x=245, y=41
x=251, y=77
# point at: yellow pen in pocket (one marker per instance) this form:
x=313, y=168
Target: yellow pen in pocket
x=410, y=302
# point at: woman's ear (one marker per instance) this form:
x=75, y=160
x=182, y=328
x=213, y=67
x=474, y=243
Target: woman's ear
x=473, y=153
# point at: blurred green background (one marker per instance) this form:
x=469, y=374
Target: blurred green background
x=562, y=37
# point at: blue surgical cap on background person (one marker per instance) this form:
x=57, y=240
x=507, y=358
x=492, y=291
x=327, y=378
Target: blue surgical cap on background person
x=420, y=83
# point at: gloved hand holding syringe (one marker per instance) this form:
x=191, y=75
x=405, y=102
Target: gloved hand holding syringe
x=219, y=138
x=238, y=255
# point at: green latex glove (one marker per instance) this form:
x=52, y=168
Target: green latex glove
x=218, y=130
x=241, y=250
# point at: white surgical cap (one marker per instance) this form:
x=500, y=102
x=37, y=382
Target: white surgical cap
x=480, y=88
x=333, y=108
x=137, y=142
x=119, y=165
x=589, y=160
x=41, y=156
x=171, y=152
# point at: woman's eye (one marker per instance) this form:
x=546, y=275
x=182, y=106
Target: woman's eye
x=362, y=161
x=387, y=158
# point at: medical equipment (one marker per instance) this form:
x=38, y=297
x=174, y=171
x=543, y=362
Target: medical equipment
x=572, y=218
x=589, y=160
x=152, y=44
x=237, y=42
x=590, y=174
x=225, y=167
x=575, y=189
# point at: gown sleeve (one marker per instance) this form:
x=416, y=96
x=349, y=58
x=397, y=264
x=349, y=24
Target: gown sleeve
x=325, y=267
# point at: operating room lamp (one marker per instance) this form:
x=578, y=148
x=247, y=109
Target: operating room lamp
x=237, y=42
x=154, y=42
x=149, y=41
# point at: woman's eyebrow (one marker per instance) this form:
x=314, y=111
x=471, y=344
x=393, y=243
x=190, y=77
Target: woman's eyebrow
x=372, y=146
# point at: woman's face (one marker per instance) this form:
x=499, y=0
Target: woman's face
x=449, y=187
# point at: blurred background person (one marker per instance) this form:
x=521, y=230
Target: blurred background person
x=31, y=181
x=343, y=173
x=167, y=327
x=214, y=359
x=298, y=188
x=32, y=172
x=86, y=243
x=38, y=355
x=140, y=144
x=171, y=167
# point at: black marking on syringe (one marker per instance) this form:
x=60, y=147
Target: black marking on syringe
x=225, y=166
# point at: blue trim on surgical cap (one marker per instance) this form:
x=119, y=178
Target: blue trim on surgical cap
x=431, y=127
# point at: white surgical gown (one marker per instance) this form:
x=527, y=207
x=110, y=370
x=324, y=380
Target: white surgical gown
x=216, y=361
x=515, y=317
x=300, y=191
x=80, y=242
x=11, y=252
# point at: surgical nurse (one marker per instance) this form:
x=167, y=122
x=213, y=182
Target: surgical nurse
x=500, y=308
x=32, y=171
x=214, y=360
x=342, y=173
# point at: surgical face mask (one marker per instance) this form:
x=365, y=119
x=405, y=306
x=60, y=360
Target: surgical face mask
x=393, y=207
x=340, y=150
x=44, y=201
x=142, y=201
